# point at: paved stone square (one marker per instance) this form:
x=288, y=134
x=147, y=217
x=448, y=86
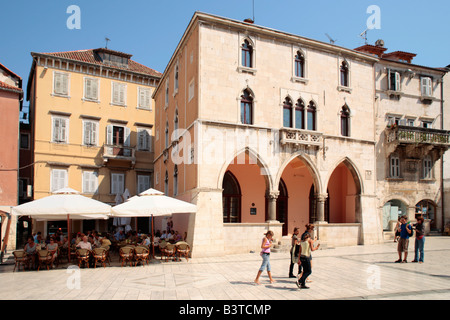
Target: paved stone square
x=346, y=273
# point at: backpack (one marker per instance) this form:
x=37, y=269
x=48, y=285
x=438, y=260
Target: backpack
x=412, y=230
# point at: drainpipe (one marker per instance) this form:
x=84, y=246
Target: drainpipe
x=442, y=160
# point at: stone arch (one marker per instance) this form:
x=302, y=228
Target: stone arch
x=309, y=164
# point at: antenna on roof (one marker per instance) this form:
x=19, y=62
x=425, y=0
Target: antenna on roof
x=248, y=20
x=253, y=10
x=332, y=41
x=107, y=39
x=364, y=35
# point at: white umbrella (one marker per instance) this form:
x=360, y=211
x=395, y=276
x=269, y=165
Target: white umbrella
x=64, y=204
x=61, y=203
x=152, y=203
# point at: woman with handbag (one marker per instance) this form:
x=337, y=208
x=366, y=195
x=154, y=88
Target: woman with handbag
x=294, y=253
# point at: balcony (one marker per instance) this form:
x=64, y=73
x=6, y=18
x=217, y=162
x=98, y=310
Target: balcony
x=300, y=137
x=417, y=137
x=119, y=153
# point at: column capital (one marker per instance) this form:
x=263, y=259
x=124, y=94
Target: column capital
x=272, y=195
x=322, y=197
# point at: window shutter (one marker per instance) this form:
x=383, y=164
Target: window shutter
x=65, y=84
x=109, y=135
x=141, y=143
x=63, y=130
x=88, y=88
x=122, y=94
x=86, y=177
x=94, y=133
x=87, y=133
x=57, y=83
x=56, y=129
x=94, y=89
x=397, y=81
x=117, y=183
x=127, y=137
x=426, y=85
x=116, y=94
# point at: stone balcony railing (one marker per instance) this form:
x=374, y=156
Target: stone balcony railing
x=417, y=135
x=112, y=152
x=300, y=137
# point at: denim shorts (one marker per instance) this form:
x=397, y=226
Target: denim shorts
x=266, y=262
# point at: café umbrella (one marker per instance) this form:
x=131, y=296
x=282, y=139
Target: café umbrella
x=151, y=203
x=64, y=204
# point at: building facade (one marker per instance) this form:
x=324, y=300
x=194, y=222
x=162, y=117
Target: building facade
x=92, y=119
x=11, y=96
x=267, y=130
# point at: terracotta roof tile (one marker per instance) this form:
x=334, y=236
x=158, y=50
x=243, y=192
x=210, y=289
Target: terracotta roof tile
x=8, y=87
x=91, y=56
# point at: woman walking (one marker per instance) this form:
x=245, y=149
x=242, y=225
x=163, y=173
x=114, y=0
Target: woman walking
x=420, y=240
x=306, y=246
x=265, y=254
x=294, y=253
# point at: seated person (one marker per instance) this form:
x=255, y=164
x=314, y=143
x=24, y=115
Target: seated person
x=164, y=236
x=30, y=250
x=145, y=242
x=119, y=236
x=53, y=248
x=177, y=237
x=84, y=244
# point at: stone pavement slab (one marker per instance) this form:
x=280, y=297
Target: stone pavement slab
x=348, y=273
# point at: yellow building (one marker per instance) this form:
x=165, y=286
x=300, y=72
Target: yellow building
x=92, y=115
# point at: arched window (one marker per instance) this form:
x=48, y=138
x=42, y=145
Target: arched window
x=344, y=74
x=166, y=184
x=175, y=180
x=231, y=198
x=247, y=54
x=299, y=65
x=300, y=114
x=247, y=107
x=175, y=124
x=166, y=135
x=345, y=121
x=311, y=116
x=287, y=113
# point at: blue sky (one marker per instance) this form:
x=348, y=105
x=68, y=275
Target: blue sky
x=150, y=30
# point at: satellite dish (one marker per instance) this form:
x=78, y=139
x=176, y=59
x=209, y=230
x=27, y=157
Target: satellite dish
x=379, y=43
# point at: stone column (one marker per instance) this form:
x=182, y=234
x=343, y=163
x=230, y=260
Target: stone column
x=321, y=198
x=272, y=197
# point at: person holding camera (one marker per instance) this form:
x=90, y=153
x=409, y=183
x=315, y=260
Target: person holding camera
x=306, y=247
x=265, y=254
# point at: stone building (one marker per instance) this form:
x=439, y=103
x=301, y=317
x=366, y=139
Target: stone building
x=11, y=96
x=267, y=130
x=410, y=138
x=92, y=119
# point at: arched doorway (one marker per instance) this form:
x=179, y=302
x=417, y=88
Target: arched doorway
x=231, y=198
x=344, y=190
x=427, y=209
x=282, y=206
x=392, y=210
x=295, y=182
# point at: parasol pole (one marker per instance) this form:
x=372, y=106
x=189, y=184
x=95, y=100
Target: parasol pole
x=68, y=238
x=153, y=240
